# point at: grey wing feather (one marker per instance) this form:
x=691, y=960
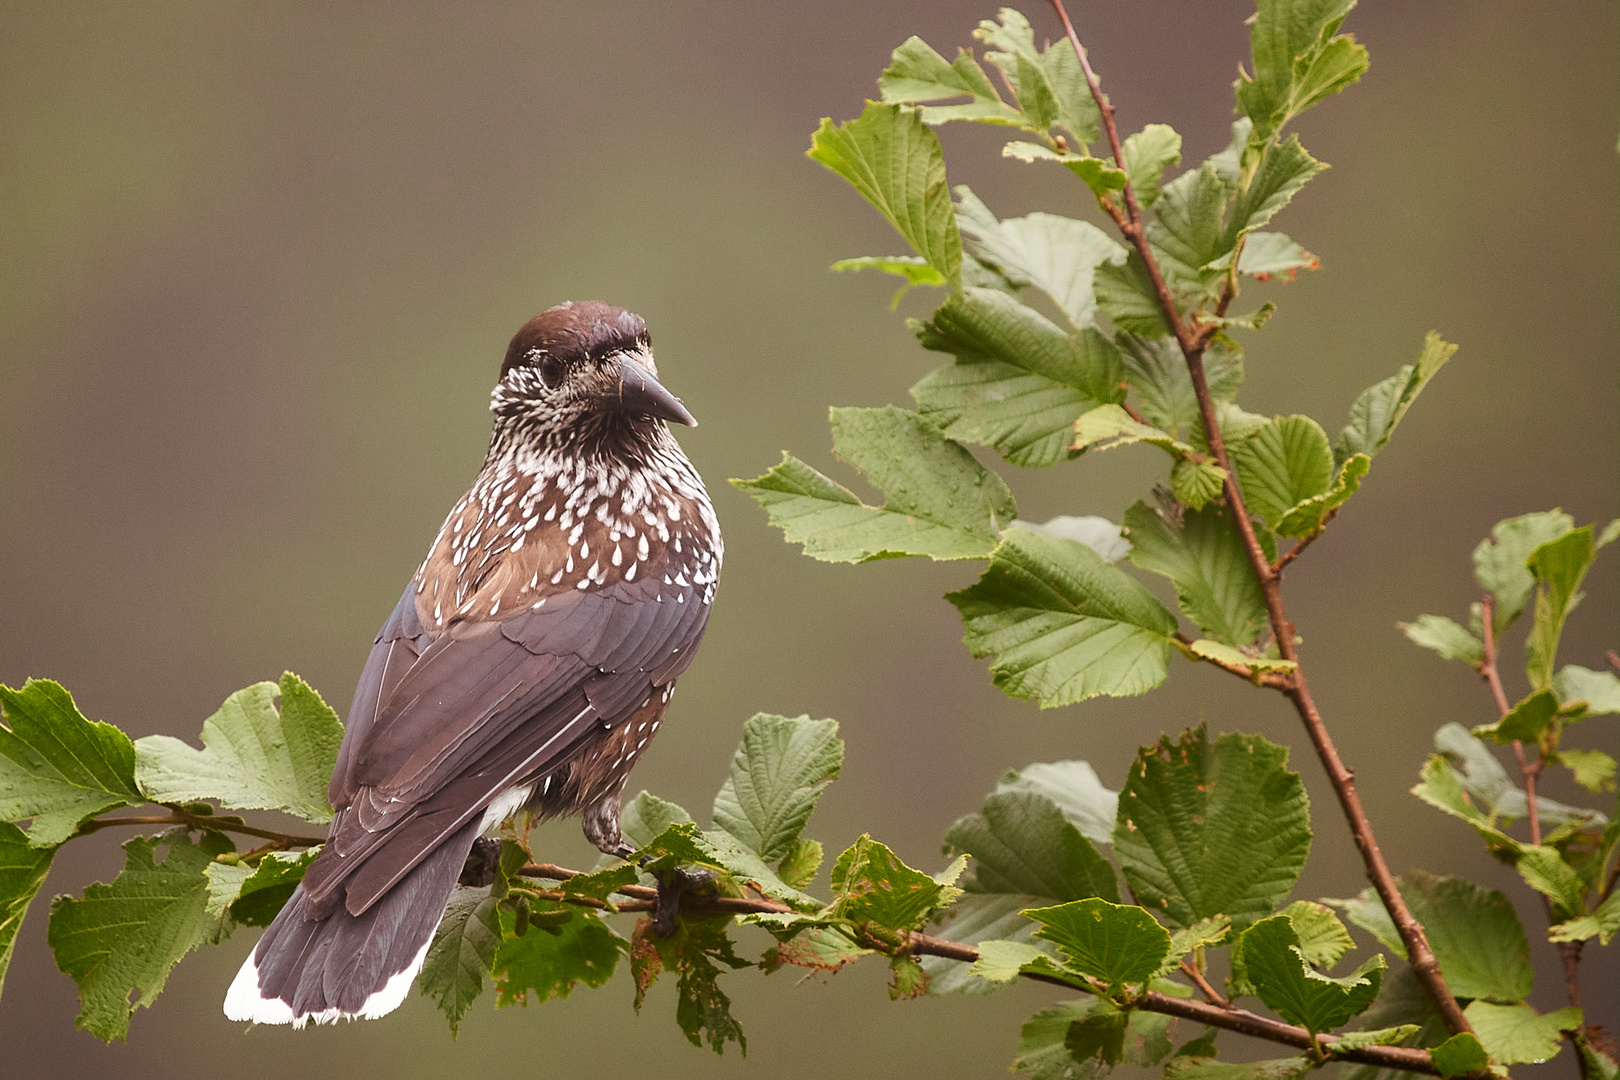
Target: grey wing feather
x=451, y=724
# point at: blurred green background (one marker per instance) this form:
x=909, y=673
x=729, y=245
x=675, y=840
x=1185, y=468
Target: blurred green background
x=261, y=261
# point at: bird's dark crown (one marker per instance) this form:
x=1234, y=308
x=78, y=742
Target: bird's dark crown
x=576, y=331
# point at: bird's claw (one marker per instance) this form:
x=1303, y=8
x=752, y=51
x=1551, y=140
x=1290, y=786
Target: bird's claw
x=673, y=884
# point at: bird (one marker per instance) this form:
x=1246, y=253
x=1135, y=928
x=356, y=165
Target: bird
x=529, y=662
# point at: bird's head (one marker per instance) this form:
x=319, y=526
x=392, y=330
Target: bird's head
x=584, y=370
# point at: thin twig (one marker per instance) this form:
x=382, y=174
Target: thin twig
x=1203, y=986
x=1299, y=549
x=201, y=821
x=1420, y=954
x=1221, y=1016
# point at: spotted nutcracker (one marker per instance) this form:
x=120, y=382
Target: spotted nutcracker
x=529, y=662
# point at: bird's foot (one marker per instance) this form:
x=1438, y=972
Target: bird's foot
x=482, y=862
x=674, y=884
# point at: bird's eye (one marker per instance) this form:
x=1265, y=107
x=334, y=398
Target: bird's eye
x=551, y=372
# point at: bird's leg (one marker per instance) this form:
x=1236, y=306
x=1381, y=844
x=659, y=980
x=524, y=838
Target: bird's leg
x=482, y=862
x=601, y=824
x=673, y=884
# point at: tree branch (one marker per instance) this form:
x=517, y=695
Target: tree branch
x=202, y=821
x=1216, y=1015
x=1295, y=688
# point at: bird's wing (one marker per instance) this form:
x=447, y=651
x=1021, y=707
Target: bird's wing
x=488, y=705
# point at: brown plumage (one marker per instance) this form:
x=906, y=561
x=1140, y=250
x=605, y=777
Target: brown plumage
x=528, y=663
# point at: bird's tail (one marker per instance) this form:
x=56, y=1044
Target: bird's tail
x=344, y=966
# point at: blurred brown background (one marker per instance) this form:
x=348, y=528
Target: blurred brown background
x=261, y=261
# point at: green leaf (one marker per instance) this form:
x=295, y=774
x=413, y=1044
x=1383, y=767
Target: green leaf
x=1114, y=943
x=1443, y=789
x=1286, y=464
x=913, y=268
x=1282, y=171
x=1490, y=788
x=1196, y=483
x=874, y=886
x=1381, y=406
x=892, y=158
x=22, y=874
x=1191, y=1068
x=1603, y=923
x=1126, y=294
x=1359, y=1040
x=778, y=773
x=1544, y=870
x=1311, y=515
x=986, y=324
x=266, y=891
x=1514, y=1034
x=1108, y=426
x=1099, y=175
x=1003, y=961
x=1157, y=371
x=1445, y=636
x=1021, y=843
x=1227, y=656
x=1100, y=1036
x=684, y=842
x=1594, y=770
x=1075, y=789
x=1188, y=233
x=582, y=950
x=1268, y=957
x=1057, y=255
x=918, y=73
x=702, y=1009
x=1459, y=1055
x=1559, y=567
x=940, y=501
x=253, y=757
x=1268, y=255
x=1050, y=84
x=1212, y=829
x=463, y=953
x=1322, y=937
x=1028, y=419
x=1474, y=932
x=1097, y=533
x=1064, y=625
x=123, y=939
x=1147, y=154
x=1600, y=690
x=1201, y=552
x=1299, y=59
x=1525, y=721
x=1499, y=561
x=1043, y=1051
x=57, y=767
x=645, y=817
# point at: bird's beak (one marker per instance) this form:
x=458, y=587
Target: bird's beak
x=638, y=391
